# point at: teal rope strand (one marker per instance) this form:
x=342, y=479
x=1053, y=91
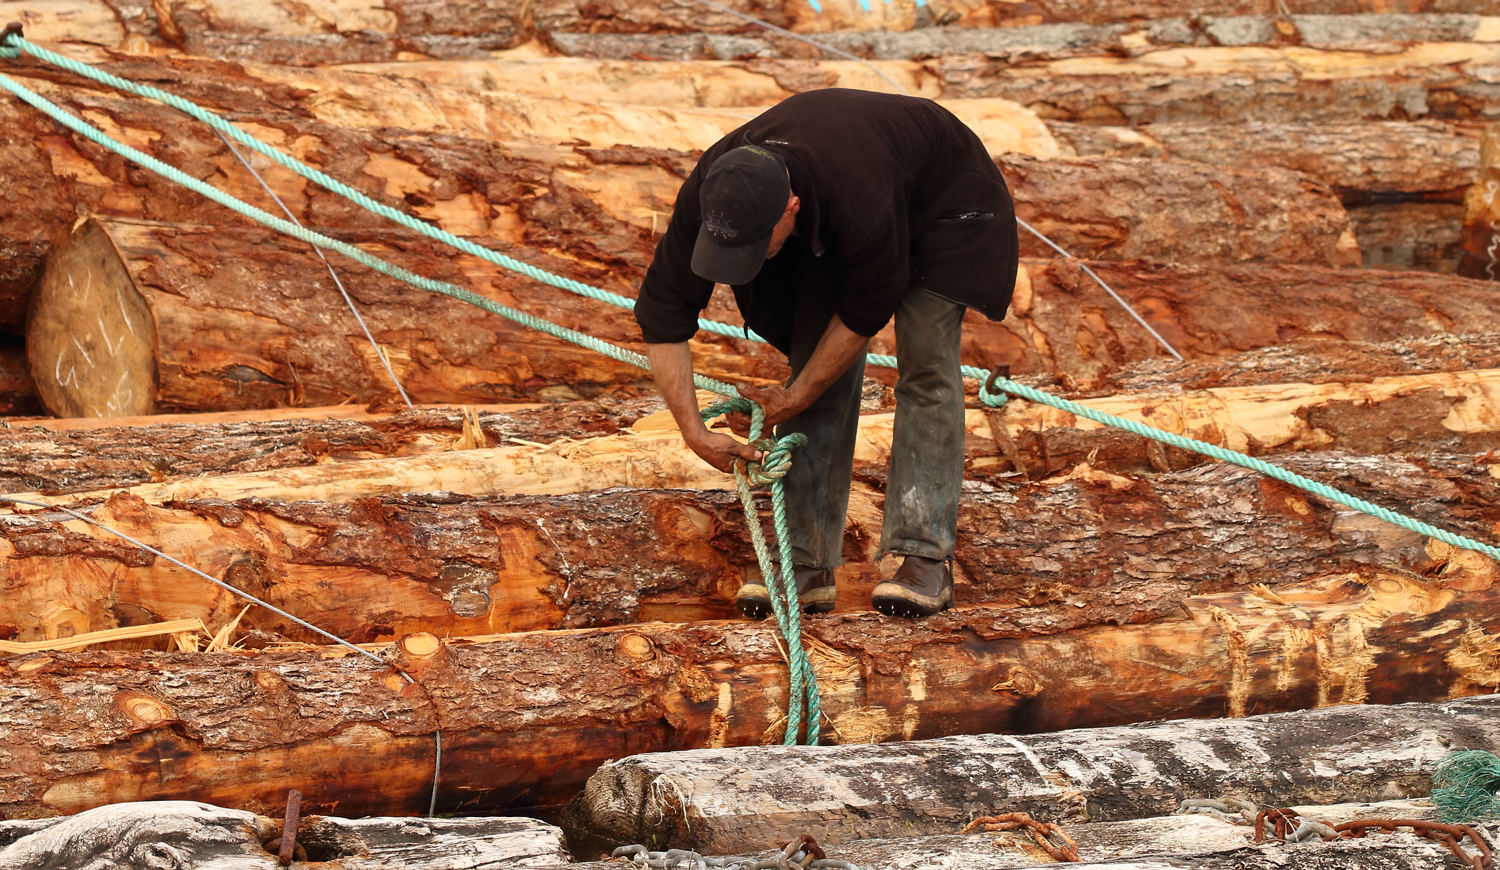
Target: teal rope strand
x=1230, y=456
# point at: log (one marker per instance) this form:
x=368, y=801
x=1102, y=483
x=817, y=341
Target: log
x=91, y=453
x=1030, y=43
x=1104, y=774
x=256, y=331
x=94, y=453
x=1105, y=215
x=1481, y=224
x=1239, y=84
x=1170, y=838
x=1446, y=411
x=1114, y=548
x=1417, y=160
x=526, y=718
x=229, y=318
x=194, y=835
x=324, y=32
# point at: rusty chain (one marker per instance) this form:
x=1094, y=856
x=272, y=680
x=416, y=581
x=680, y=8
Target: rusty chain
x=803, y=853
x=1053, y=840
x=1290, y=827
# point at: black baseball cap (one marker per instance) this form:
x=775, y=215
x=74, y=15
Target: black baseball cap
x=743, y=196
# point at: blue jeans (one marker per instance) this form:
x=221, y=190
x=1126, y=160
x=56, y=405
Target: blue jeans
x=927, y=449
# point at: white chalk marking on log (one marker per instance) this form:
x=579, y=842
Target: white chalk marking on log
x=1036, y=763
x=114, y=350
x=120, y=299
x=86, y=358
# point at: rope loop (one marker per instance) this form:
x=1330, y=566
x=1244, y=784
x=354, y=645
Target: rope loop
x=989, y=389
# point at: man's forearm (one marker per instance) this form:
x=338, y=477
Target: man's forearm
x=838, y=349
x=672, y=369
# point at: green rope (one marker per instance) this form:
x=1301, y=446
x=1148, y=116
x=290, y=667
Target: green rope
x=1465, y=786
x=784, y=592
x=782, y=584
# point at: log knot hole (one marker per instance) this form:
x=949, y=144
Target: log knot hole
x=144, y=710
x=1020, y=680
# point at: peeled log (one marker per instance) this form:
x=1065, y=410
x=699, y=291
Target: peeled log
x=526, y=718
x=1110, y=548
x=1417, y=159
x=92, y=453
x=1452, y=411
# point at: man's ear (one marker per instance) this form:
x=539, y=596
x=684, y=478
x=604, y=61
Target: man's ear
x=794, y=204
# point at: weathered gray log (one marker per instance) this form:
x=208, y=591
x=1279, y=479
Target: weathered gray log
x=728, y=800
x=185, y=835
x=1035, y=42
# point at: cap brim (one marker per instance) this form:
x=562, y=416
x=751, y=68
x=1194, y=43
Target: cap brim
x=728, y=265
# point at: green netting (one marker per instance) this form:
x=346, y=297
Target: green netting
x=1465, y=786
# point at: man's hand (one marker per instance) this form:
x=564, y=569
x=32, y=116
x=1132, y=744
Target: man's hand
x=778, y=402
x=722, y=451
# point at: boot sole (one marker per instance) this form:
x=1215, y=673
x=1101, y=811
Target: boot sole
x=904, y=609
x=756, y=608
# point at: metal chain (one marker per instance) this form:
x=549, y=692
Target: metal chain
x=1288, y=826
x=803, y=853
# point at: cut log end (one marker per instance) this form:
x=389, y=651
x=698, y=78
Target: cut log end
x=91, y=337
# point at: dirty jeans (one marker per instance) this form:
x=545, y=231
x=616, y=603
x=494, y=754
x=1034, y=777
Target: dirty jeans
x=927, y=449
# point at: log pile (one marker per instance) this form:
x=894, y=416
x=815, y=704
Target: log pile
x=538, y=577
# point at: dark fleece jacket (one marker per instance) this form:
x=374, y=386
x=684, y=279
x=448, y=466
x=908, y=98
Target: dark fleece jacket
x=895, y=192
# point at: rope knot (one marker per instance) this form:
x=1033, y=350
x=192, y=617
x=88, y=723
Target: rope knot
x=776, y=459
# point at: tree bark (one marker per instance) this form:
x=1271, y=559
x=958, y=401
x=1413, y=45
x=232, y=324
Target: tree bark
x=1096, y=209
x=189, y=835
x=1347, y=753
x=1112, y=548
x=525, y=718
x=94, y=453
x=1481, y=226
x=1421, y=160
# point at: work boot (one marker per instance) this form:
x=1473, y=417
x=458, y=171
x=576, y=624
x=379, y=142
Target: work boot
x=920, y=587
x=815, y=592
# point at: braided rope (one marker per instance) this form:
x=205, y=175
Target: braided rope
x=781, y=584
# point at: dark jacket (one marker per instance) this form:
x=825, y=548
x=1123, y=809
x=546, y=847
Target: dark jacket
x=895, y=191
